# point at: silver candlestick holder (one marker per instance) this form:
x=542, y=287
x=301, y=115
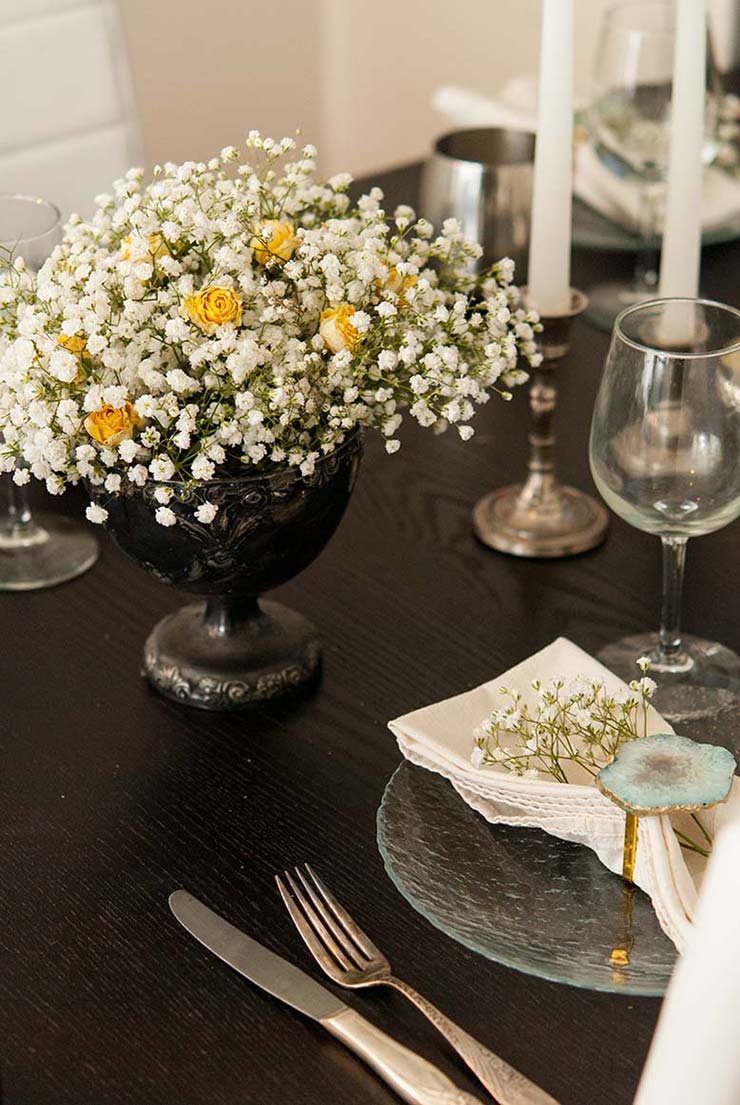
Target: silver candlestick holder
x=542, y=517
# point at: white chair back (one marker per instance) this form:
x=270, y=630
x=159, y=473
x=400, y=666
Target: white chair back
x=69, y=122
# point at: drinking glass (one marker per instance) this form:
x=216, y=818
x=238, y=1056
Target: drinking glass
x=629, y=124
x=482, y=176
x=665, y=455
x=36, y=550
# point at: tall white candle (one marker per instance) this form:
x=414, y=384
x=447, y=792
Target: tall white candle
x=549, y=251
x=694, y=1058
x=679, y=270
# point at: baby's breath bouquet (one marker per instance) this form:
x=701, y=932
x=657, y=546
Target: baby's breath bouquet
x=230, y=317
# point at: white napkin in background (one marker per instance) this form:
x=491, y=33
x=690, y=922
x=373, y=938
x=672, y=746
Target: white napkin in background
x=694, y=1058
x=440, y=738
x=618, y=198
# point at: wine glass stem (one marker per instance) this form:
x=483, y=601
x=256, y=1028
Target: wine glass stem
x=19, y=519
x=670, y=651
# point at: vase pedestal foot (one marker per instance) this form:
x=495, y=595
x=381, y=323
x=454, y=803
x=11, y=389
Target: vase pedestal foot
x=229, y=654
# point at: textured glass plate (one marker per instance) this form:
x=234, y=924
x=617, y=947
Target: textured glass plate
x=592, y=230
x=517, y=896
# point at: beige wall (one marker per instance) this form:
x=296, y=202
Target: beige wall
x=355, y=75
x=207, y=71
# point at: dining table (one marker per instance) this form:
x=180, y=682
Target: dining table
x=112, y=796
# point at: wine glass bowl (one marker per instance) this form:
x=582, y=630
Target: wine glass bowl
x=629, y=126
x=36, y=550
x=665, y=456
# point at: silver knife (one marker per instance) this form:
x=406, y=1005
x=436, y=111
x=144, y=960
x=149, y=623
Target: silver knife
x=413, y=1078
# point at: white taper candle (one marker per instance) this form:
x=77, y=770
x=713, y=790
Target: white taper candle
x=679, y=270
x=549, y=251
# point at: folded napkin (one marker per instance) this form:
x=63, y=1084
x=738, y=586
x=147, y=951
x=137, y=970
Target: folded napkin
x=620, y=198
x=440, y=738
x=694, y=1058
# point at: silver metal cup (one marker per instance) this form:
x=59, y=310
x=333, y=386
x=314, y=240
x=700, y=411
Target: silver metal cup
x=483, y=178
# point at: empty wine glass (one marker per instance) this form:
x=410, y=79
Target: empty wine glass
x=665, y=455
x=36, y=551
x=629, y=124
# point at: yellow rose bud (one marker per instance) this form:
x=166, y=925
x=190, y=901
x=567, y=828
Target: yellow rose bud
x=398, y=284
x=336, y=329
x=277, y=238
x=112, y=425
x=136, y=248
x=212, y=307
x=73, y=343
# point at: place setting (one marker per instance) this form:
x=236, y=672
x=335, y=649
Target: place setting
x=212, y=360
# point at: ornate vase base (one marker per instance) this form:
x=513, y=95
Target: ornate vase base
x=568, y=522
x=204, y=656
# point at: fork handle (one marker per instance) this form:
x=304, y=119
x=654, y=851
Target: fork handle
x=413, y=1078
x=507, y=1085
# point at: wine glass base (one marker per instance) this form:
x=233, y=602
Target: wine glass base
x=607, y=300
x=565, y=523
x=49, y=551
x=703, y=700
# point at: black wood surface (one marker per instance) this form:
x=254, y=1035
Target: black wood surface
x=110, y=797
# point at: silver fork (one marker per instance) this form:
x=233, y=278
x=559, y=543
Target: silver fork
x=349, y=957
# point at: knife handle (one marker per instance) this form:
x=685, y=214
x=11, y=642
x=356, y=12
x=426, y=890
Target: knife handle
x=413, y=1078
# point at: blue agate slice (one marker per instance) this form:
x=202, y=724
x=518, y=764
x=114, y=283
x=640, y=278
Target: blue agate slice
x=665, y=772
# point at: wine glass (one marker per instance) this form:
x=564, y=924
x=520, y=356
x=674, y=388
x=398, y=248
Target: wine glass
x=36, y=551
x=629, y=125
x=665, y=455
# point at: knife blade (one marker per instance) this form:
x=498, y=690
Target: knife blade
x=413, y=1078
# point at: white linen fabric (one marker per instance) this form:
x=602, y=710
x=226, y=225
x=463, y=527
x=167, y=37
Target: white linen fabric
x=440, y=738
x=694, y=1058
x=619, y=198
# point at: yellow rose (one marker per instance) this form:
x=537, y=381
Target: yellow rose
x=277, y=238
x=336, y=329
x=398, y=284
x=112, y=425
x=136, y=248
x=73, y=343
x=212, y=307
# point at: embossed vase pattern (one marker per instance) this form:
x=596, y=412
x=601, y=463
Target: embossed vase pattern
x=231, y=650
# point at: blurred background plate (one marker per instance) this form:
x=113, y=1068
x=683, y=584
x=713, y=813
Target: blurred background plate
x=517, y=896
x=591, y=230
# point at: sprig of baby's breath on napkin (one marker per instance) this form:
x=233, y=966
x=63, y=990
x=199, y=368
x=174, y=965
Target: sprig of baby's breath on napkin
x=575, y=721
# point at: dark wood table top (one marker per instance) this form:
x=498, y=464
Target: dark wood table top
x=111, y=797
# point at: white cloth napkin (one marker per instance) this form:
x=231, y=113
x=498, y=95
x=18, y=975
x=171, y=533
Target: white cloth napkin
x=619, y=198
x=694, y=1058
x=440, y=738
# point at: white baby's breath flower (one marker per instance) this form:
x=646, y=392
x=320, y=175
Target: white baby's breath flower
x=165, y=516
x=477, y=756
x=96, y=514
x=206, y=512
x=162, y=468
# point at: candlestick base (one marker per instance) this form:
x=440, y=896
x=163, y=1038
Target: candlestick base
x=562, y=522
x=541, y=517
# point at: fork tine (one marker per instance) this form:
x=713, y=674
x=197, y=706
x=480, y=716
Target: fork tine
x=353, y=950
x=311, y=940
x=325, y=927
x=361, y=938
x=317, y=926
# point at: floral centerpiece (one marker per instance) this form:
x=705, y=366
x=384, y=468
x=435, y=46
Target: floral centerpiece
x=231, y=321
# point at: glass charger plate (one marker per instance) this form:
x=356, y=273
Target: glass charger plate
x=517, y=896
x=591, y=230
